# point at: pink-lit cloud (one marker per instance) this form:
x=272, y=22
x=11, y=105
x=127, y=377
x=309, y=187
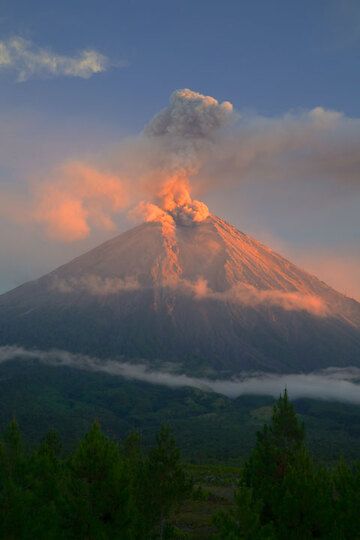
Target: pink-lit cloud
x=250, y=296
x=76, y=197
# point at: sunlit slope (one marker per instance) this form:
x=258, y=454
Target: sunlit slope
x=204, y=296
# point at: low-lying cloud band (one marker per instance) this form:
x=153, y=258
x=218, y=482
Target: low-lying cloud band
x=339, y=384
x=239, y=294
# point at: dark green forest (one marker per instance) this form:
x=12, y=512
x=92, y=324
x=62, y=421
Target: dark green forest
x=208, y=427
x=104, y=488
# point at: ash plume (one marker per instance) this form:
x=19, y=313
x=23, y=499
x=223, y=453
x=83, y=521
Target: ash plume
x=192, y=147
x=189, y=116
x=183, y=133
x=148, y=177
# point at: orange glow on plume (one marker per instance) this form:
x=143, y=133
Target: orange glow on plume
x=173, y=203
x=76, y=197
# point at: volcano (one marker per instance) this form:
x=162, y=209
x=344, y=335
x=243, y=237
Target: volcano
x=200, y=296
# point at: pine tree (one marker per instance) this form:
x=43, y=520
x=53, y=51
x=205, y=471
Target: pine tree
x=346, y=500
x=243, y=522
x=135, y=463
x=277, y=448
x=99, y=488
x=165, y=484
x=47, y=479
x=14, y=499
x=282, y=493
x=304, y=506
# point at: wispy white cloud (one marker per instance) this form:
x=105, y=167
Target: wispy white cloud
x=28, y=60
x=338, y=384
x=250, y=296
x=199, y=289
x=95, y=285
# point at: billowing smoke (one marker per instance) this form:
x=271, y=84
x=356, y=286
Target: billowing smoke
x=190, y=116
x=174, y=198
x=173, y=204
x=195, y=145
x=183, y=134
x=149, y=176
x=339, y=384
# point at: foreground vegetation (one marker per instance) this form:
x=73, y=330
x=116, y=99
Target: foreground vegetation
x=284, y=494
x=102, y=490
x=106, y=490
x=209, y=428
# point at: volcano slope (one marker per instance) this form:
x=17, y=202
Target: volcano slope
x=202, y=296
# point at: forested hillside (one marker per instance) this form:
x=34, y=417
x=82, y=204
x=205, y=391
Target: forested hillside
x=209, y=427
x=106, y=489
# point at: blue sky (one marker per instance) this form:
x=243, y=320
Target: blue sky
x=271, y=56
x=266, y=57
